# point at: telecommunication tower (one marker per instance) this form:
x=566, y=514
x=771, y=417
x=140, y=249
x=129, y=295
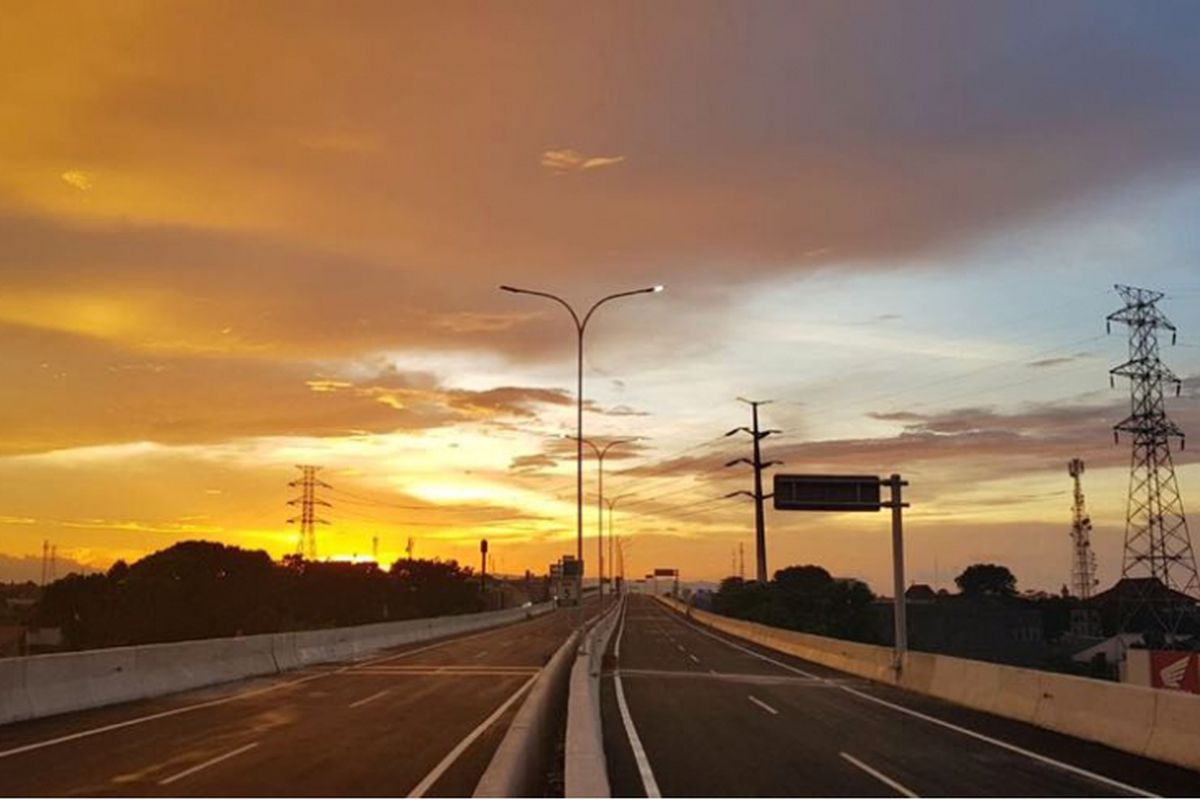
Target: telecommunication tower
x=306, y=543
x=1158, y=547
x=1083, y=560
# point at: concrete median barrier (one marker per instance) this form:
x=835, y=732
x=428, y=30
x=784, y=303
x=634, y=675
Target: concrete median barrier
x=585, y=765
x=39, y=686
x=1156, y=723
x=526, y=753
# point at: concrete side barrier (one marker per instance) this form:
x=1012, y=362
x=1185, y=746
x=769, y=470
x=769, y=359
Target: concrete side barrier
x=1116, y=714
x=14, y=699
x=66, y=681
x=586, y=768
x=39, y=686
x=1156, y=723
x=1176, y=734
x=526, y=753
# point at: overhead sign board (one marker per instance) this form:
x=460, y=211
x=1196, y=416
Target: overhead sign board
x=663, y=572
x=827, y=493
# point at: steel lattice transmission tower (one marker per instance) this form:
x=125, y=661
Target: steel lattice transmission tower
x=1083, y=560
x=306, y=543
x=1157, y=543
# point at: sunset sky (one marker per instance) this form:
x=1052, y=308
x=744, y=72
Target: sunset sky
x=236, y=237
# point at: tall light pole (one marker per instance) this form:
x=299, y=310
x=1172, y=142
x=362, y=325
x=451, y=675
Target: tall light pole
x=601, y=452
x=580, y=327
x=612, y=502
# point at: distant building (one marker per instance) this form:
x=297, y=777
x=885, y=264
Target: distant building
x=920, y=593
x=997, y=629
x=1108, y=605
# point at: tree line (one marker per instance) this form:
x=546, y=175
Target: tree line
x=199, y=590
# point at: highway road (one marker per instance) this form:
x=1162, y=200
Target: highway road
x=423, y=719
x=709, y=715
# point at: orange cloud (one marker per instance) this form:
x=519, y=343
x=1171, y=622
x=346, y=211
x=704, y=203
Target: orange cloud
x=572, y=161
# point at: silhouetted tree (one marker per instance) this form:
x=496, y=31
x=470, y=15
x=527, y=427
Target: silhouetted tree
x=987, y=580
x=430, y=588
x=804, y=598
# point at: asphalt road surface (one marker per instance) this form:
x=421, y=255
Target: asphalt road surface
x=423, y=719
x=711, y=715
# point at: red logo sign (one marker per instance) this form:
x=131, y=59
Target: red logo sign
x=1175, y=669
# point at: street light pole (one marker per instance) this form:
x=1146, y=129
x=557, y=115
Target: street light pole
x=611, y=563
x=601, y=452
x=580, y=327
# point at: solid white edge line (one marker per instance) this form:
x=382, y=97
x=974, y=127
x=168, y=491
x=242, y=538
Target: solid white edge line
x=207, y=764
x=427, y=782
x=369, y=698
x=934, y=720
x=70, y=737
x=879, y=776
x=649, y=784
x=762, y=705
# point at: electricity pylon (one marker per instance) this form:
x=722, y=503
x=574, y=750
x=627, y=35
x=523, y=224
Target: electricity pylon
x=1083, y=560
x=306, y=543
x=1157, y=543
x=760, y=532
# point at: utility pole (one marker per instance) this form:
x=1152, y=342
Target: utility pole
x=1157, y=543
x=306, y=544
x=375, y=549
x=760, y=533
x=408, y=548
x=1083, y=560
x=53, y=562
x=741, y=567
x=483, y=558
x=45, y=561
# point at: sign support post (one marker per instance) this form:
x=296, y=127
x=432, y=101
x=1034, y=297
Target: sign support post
x=900, y=606
x=856, y=493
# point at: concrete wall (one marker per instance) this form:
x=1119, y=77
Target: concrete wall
x=38, y=686
x=1159, y=724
